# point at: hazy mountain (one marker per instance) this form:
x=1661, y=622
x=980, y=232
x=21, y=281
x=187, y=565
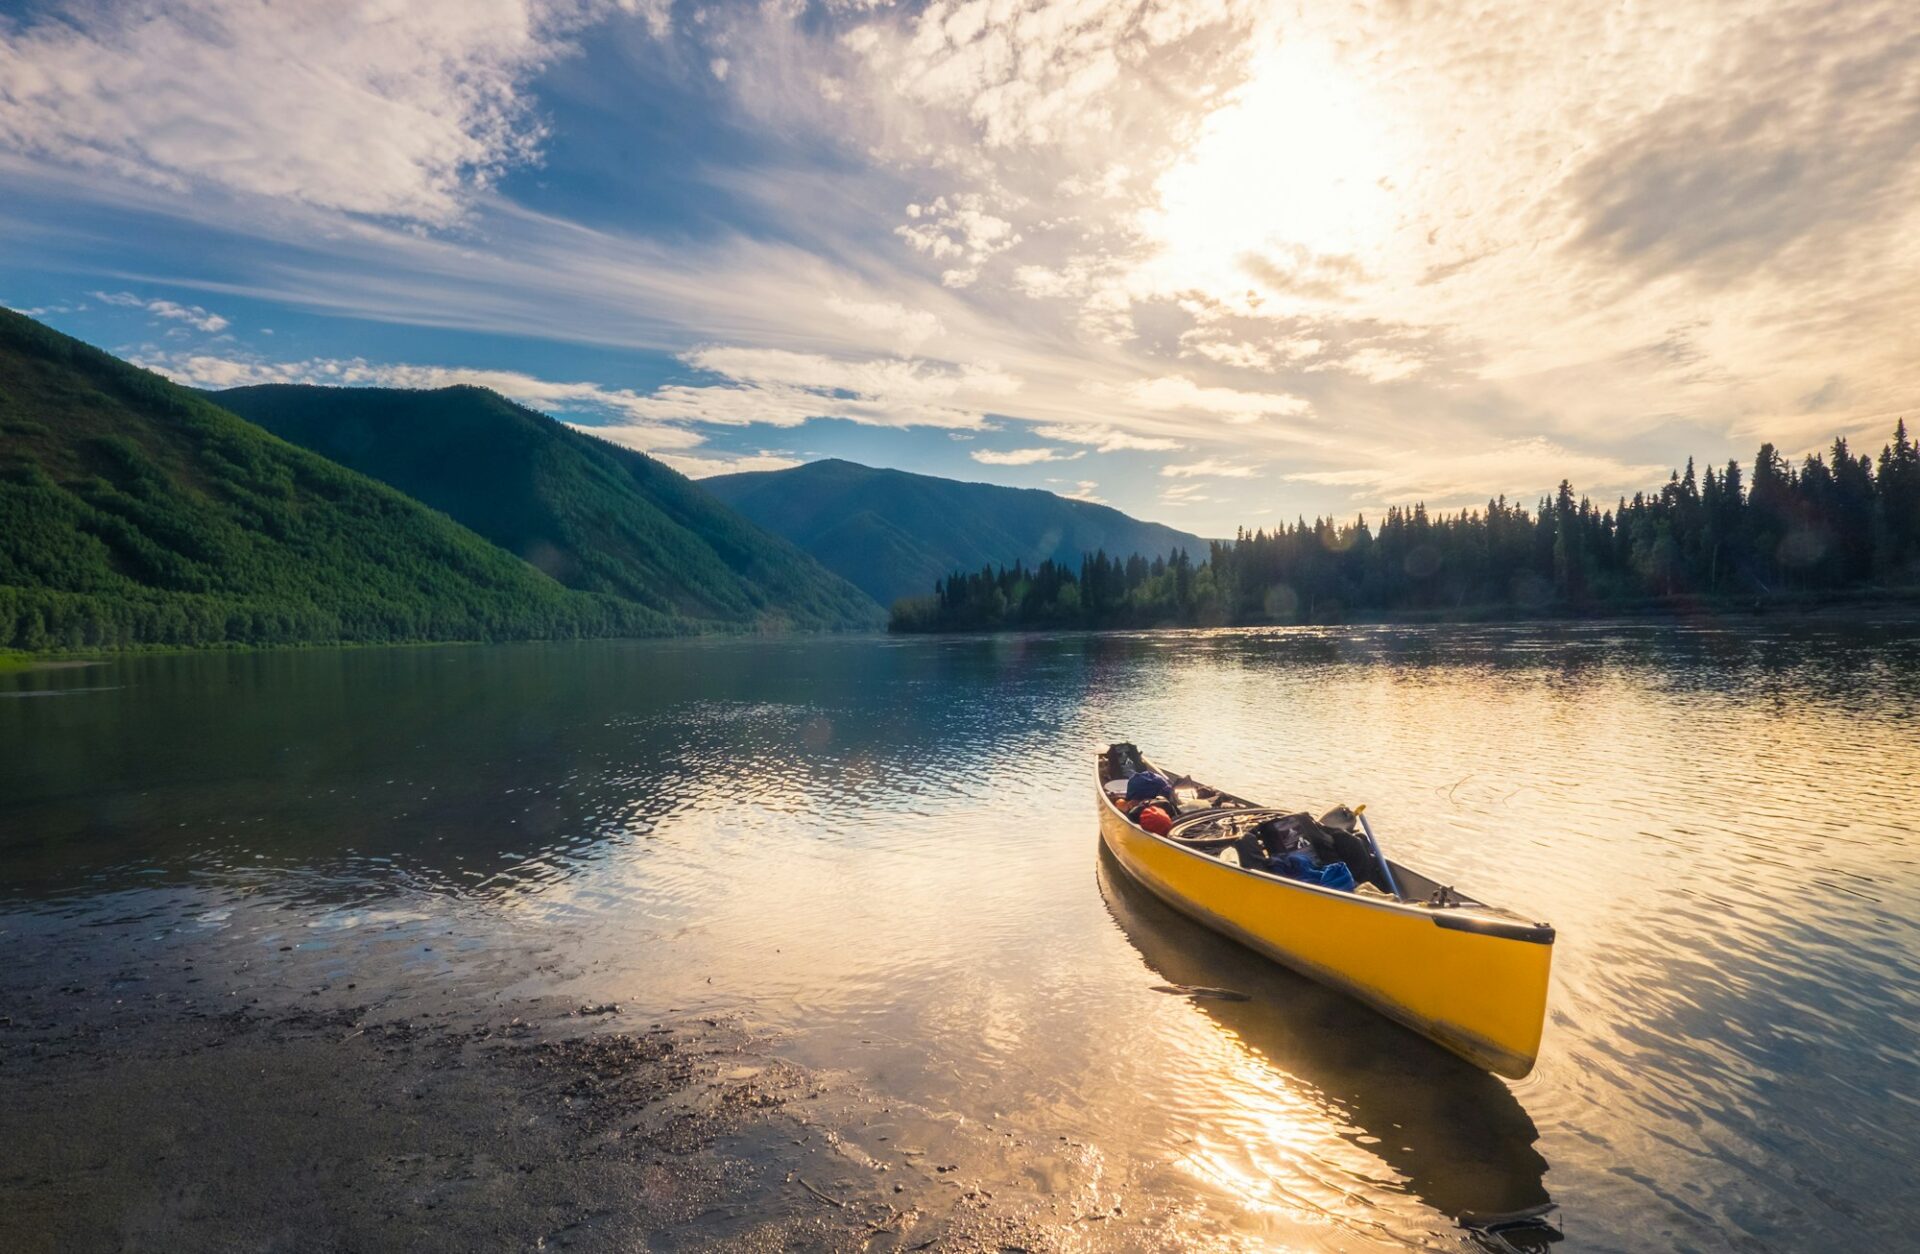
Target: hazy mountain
x=893, y=533
x=133, y=511
x=594, y=516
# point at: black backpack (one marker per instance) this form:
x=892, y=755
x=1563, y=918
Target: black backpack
x=1293, y=833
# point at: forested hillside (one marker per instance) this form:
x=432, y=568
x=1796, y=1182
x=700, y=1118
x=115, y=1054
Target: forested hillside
x=1839, y=521
x=592, y=515
x=136, y=512
x=892, y=533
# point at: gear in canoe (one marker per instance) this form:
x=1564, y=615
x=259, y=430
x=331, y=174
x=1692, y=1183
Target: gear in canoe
x=1320, y=896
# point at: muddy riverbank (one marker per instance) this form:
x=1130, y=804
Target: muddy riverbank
x=142, y=1119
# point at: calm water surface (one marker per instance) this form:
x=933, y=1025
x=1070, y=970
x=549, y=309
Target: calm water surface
x=885, y=853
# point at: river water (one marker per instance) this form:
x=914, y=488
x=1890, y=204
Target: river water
x=884, y=854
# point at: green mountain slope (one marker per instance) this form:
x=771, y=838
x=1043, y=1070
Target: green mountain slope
x=594, y=516
x=136, y=512
x=893, y=533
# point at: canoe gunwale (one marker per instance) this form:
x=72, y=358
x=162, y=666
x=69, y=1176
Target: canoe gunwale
x=1467, y=918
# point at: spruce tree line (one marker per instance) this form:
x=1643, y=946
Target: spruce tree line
x=1837, y=522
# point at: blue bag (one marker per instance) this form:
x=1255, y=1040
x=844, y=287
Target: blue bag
x=1146, y=785
x=1301, y=866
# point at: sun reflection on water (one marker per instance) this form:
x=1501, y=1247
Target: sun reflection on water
x=885, y=855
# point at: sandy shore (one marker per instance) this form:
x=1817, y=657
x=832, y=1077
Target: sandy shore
x=149, y=1119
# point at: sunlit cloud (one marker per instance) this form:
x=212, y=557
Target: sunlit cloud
x=962, y=235
x=1210, y=468
x=1351, y=241
x=395, y=111
x=1083, y=490
x=1104, y=439
x=1177, y=394
x=1516, y=469
x=908, y=328
x=708, y=466
x=628, y=411
x=784, y=389
x=762, y=387
x=1022, y=456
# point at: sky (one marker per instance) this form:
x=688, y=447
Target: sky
x=1215, y=263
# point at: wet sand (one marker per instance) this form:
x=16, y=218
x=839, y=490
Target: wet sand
x=158, y=1124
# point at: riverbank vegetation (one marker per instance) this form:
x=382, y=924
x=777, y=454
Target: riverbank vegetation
x=138, y=514
x=1839, y=524
x=134, y=512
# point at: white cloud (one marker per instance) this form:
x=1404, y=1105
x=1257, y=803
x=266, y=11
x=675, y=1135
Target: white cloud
x=957, y=229
x=629, y=412
x=1381, y=365
x=1238, y=354
x=1179, y=394
x=1043, y=283
x=192, y=315
x=706, y=467
x=42, y=311
x=1522, y=470
x=1209, y=468
x=1029, y=72
x=395, y=110
x=764, y=386
x=785, y=388
x=1104, y=438
x=1085, y=490
x=907, y=328
x=1615, y=229
x=1023, y=456
x=893, y=375
x=1498, y=218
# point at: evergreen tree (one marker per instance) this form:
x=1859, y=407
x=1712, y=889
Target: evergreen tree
x=1838, y=521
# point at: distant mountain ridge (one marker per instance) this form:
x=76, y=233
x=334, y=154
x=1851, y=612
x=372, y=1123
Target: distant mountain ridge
x=136, y=512
x=892, y=533
x=594, y=516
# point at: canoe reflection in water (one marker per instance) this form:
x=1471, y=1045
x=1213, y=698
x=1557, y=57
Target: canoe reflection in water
x=1456, y=1136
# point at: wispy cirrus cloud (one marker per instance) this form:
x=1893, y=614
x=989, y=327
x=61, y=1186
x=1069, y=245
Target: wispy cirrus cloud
x=1357, y=238
x=758, y=387
x=192, y=315
x=1185, y=495
x=619, y=415
x=1023, y=456
x=394, y=111
x=783, y=388
x=1105, y=438
x=1178, y=394
x=1208, y=468
x=1512, y=468
x=624, y=415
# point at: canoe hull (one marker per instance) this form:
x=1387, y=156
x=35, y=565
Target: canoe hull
x=1483, y=996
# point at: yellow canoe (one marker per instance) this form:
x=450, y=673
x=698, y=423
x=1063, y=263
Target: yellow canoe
x=1464, y=974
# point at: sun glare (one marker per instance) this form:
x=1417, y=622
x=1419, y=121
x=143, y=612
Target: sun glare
x=1285, y=190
